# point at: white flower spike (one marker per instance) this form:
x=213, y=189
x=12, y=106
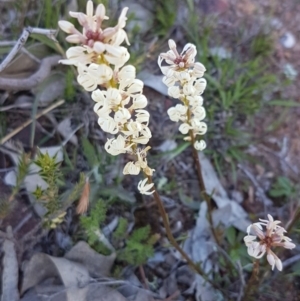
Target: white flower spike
x=119, y=102
x=184, y=80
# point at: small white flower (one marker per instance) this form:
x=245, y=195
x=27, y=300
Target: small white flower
x=177, y=113
x=144, y=187
x=184, y=128
x=119, y=58
x=174, y=91
x=126, y=74
x=189, y=89
x=200, y=145
x=200, y=85
x=98, y=96
x=122, y=116
x=93, y=75
x=199, y=127
x=133, y=128
x=117, y=146
x=142, y=116
x=131, y=169
x=198, y=70
x=199, y=112
x=132, y=88
x=79, y=54
x=141, y=140
x=272, y=237
x=177, y=61
x=108, y=125
x=113, y=97
x=139, y=102
x=195, y=101
x=141, y=163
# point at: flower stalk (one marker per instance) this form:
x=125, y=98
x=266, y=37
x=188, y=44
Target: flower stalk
x=202, y=187
x=184, y=78
x=252, y=282
x=173, y=241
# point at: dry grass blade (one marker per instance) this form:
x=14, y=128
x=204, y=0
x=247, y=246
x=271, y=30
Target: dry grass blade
x=84, y=199
x=17, y=130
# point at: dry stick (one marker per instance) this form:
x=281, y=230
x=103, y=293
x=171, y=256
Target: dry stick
x=291, y=224
x=22, y=40
x=17, y=130
x=32, y=81
x=173, y=296
x=207, y=198
x=145, y=281
x=173, y=240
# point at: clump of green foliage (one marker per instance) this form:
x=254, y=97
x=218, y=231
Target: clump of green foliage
x=138, y=245
x=22, y=171
x=284, y=189
x=165, y=16
x=51, y=198
x=50, y=173
x=92, y=223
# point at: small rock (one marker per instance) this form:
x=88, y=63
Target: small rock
x=276, y=23
x=288, y=40
x=220, y=52
x=290, y=72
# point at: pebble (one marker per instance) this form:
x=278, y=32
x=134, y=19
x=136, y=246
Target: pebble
x=288, y=40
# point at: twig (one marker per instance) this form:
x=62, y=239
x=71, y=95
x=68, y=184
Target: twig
x=17, y=130
x=30, y=82
x=145, y=281
x=7, y=43
x=295, y=219
x=18, y=105
x=242, y=279
x=173, y=296
x=260, y=191
x=22, y=40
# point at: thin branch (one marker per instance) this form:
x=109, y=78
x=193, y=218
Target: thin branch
x=22, y=40
x=32, y=81
x=17, y=130
x=264, y=198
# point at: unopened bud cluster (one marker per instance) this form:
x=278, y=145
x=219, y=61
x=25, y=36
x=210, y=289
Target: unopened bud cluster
x=120, y=103
x=185, y=82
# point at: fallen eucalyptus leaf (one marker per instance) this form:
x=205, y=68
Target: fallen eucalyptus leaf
x=97, y=264
x=42, y=266
x=153, y=81
x=10, y=272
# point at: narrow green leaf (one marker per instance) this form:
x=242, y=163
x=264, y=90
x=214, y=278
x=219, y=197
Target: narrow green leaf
x=283, y=103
